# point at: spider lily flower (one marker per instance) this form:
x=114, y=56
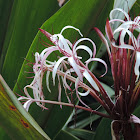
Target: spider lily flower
x=127, y=28
x=69, y=51
x=59, y=68
x=125, y=61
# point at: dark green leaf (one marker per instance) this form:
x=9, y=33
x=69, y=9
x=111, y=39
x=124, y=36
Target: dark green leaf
x=5, y=9
x=103, y=131
x=26, y=17
x=81, y=133
x=64, y=135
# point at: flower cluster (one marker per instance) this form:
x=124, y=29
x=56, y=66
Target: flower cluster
x=64, y=67
x=124, y=55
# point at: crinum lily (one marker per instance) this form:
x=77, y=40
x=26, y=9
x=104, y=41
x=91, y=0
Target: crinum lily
x=124, y=58
x=125, y=61
x=59, y=67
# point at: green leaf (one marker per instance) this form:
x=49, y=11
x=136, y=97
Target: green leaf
x=135, y=11
x=14, y=119
x=81, y=133
x=3, y=136
x=64, y=135
x=70, y=14
x=109, y=90
x=103, y=131
x=26, y=17
x=5, y=9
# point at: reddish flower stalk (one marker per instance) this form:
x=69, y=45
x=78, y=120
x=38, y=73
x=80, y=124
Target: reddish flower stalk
x=125, y=62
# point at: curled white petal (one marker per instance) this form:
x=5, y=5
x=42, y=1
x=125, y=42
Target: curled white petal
x=56, y=67
x=75, y=67
x=84, y=48
x=67, y=27
x=64, y=80
x=137, y=65
x=77, y=92
x=125, y=46
x=84, y=93
x=37, y=57
x=84, y=39
x=123, y=33
x=119, y=9
x=62, y=43
x=27, y=105
x=47, y=80
x=90, y=80
x=98, y=60
x=134, y=119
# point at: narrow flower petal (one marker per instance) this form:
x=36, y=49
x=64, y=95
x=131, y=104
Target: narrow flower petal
x=137, y=65
x=134, y=119
x=27, y=105
x=83, y=47
x=119, y=9
x=56, y=67
x=64, y=80
x=47, y=80
x=75, y=67
x=98, y=60
x=90, y=80
x=84, y=93
x=62, y=43
x=85, y=39
x=77, y=92
x=67, y=27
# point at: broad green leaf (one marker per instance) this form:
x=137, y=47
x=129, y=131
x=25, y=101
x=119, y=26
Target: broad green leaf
x=64, y=135
x=70, y=14
x=109, y=90
x=103, y=131
x=3, y=136
x=26, y=17
x=81, y=133
x=14, y=119
x=135, y=11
